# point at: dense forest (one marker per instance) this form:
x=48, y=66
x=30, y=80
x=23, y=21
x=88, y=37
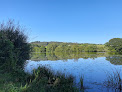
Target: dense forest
x=114, y=45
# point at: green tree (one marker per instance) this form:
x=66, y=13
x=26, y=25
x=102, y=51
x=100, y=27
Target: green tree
x=63, y=47
x=115, y=44
x=74, y=48
x=81, y=48
x=91, y=48
x=36, y=49
x=100, y=49
x=42, y=49
x=51, y=47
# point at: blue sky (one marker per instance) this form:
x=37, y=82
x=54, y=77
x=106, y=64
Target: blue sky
x=83, y=21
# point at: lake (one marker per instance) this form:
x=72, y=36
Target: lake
x=96, y=69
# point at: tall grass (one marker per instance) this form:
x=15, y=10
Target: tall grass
x=114, y=81
x=81, y=83
x=44, y=80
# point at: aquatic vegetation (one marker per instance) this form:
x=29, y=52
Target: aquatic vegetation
x=81, y=83
x=114, y=81
x=44, y=80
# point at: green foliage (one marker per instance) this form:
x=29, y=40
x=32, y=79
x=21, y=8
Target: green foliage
x=11, y=88
x=44, y=80
x=81, y=48
x=36, y=49
x=100, y=49
x=115, y=44
x=91, y=48
x=7, y=60
x=63, y=48
x=74, y=48
x=51, y=47
x=44, y=43
x=14, y=49
x=66, y=47
x=42, y=49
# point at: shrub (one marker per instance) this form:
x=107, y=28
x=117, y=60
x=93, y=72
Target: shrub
x=6, y=54
x=13, y=43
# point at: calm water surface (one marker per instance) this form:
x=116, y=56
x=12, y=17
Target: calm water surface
x=94, y=68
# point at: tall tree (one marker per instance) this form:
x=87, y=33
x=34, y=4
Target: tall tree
x=115, y=44
x=51, y=47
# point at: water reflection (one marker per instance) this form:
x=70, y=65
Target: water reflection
x=94, y=67
x=114, y=58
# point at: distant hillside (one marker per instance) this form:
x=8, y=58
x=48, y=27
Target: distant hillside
x=58, y=43
x=66, y=47
x=46, y=43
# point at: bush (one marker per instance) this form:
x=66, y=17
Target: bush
x=14, y=47
x=6, y=54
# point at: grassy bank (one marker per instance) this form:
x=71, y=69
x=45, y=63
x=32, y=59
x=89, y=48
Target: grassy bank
x=42, y=80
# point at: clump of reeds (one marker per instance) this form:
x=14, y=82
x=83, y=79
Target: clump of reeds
x=45, y=80
x=114, y=81
x=81, y=83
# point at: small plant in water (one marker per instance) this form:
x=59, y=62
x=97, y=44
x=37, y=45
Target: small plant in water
x=81, y=83
x=114, y=81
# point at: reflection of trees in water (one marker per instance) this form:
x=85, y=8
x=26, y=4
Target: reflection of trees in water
x=116, y=59
x=65, y=56
x=51, y=56
x=43, y=56
x=38, y=56
x=75, y=56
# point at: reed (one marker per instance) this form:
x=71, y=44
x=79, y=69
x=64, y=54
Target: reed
x=114, y=81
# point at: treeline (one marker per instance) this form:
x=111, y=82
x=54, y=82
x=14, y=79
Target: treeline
x=114, y=45
x=68, y=47
x=47, y=43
